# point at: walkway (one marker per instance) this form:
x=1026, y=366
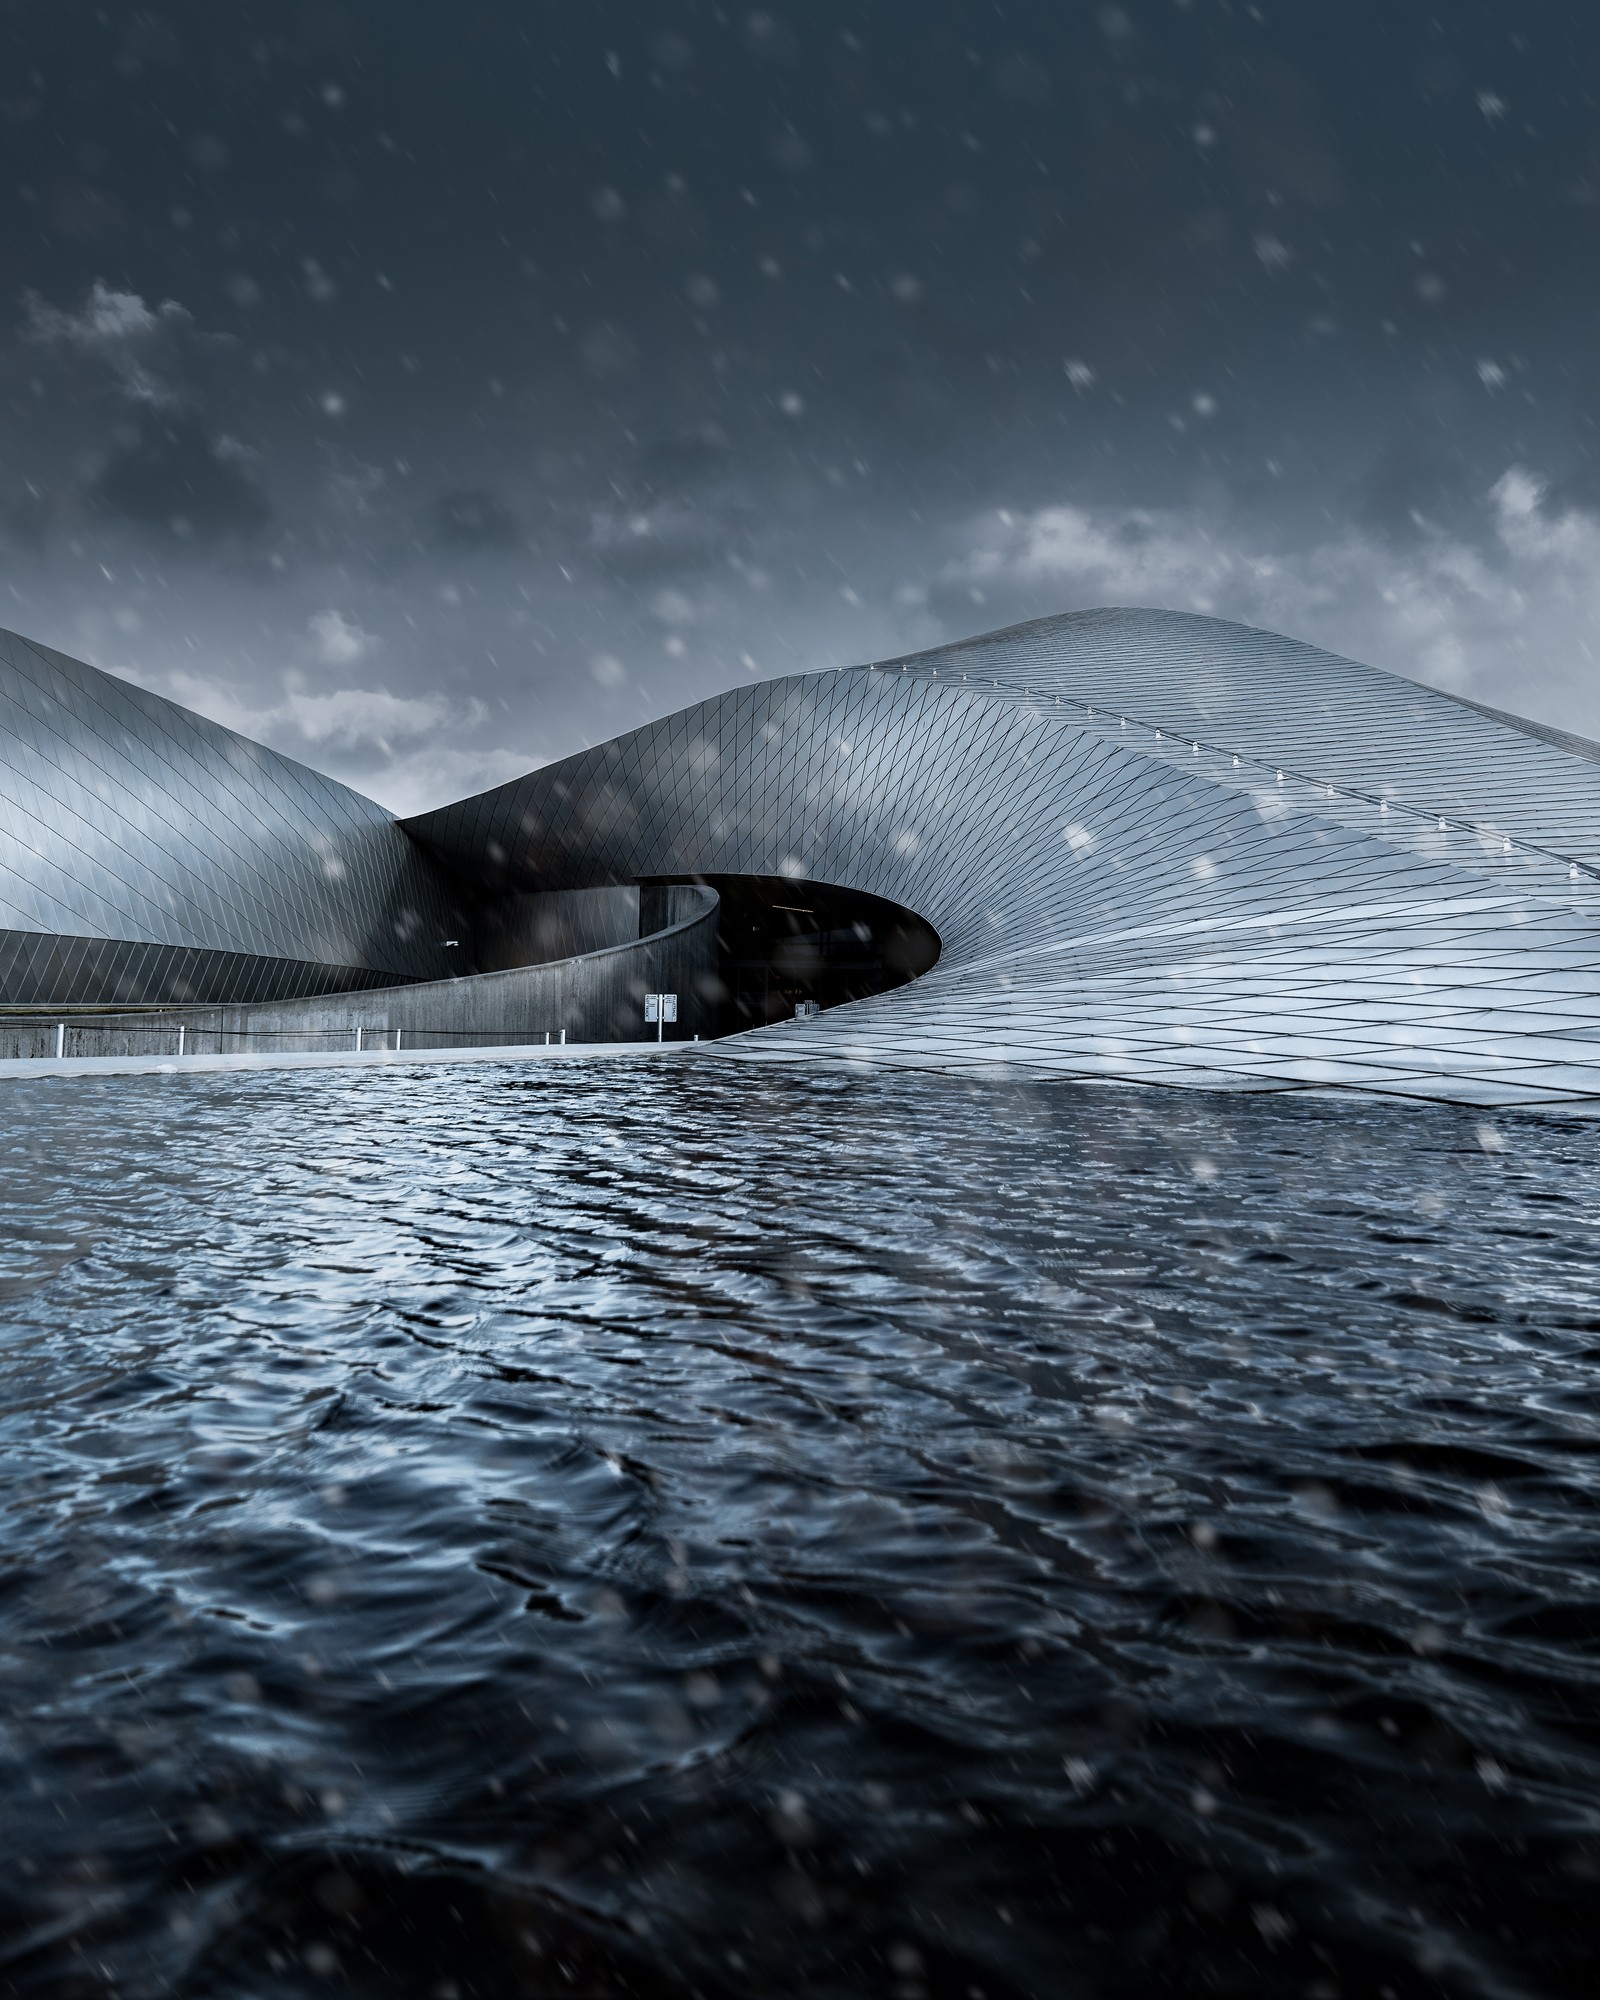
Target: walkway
x=172, y=1065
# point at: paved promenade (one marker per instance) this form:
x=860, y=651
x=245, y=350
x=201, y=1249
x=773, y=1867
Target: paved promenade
x=172, y=1065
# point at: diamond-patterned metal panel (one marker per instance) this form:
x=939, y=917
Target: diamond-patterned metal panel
x=1155, y=847
x=147, y=854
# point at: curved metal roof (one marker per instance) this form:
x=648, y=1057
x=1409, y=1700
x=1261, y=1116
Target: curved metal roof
x=1155, y=847
x=129, y=822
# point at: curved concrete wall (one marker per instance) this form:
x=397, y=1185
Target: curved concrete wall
x=595, y=997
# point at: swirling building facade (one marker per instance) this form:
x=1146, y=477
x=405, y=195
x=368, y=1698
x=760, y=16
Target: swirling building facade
x=1124, y=845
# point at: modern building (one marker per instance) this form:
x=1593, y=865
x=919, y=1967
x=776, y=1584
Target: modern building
x=1124, y=845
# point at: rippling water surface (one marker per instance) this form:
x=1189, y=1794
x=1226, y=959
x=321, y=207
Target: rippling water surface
x=593, y=1529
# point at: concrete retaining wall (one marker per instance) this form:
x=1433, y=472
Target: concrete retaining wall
x=598, y=997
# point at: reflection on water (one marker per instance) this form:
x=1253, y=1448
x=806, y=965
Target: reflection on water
x=590, y=1531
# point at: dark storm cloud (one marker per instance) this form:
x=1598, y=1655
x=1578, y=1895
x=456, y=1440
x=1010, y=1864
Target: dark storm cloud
x=28, y=519
x=140, y=349
x=171, y=474
x=688, y=459
x=1420, y=482
x=592, y=358
x=472, y=517
x=166, y=467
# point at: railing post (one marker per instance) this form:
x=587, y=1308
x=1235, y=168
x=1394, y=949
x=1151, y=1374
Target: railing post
x=397, y=1034
x=563, y=1038
x=358, y=1041
x=61, y=1040
x=180, y=1038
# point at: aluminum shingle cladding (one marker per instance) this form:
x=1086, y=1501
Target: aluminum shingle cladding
x=146, y=853
x=1155, y=847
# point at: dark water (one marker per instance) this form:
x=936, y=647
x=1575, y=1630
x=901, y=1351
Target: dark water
x=605, y=1531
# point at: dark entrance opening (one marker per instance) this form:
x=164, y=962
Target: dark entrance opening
x=782, y=942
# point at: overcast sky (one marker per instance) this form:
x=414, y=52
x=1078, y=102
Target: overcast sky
x=432, y=389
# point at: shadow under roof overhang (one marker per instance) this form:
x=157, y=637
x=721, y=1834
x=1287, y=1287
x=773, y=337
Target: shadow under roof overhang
x=781, y=941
